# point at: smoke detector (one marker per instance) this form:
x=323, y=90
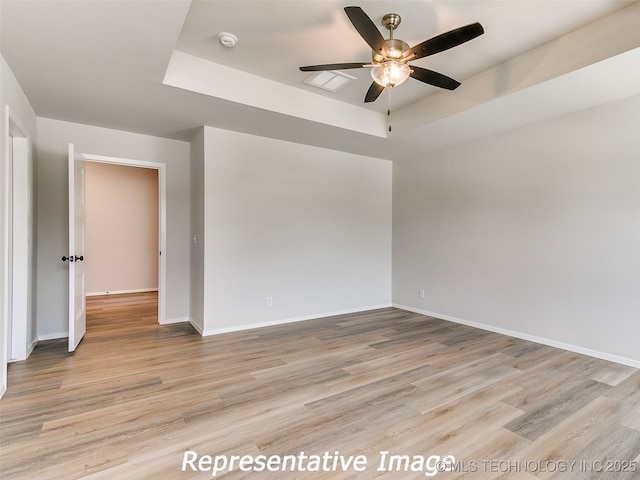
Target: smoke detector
x=227, y=39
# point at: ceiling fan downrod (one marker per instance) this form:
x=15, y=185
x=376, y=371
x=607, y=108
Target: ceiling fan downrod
x=391, y=21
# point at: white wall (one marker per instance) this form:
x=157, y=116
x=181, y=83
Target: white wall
x=21, y=111
x=309, y=227
x=534, y=232
x=52, y=185
x=121, y=237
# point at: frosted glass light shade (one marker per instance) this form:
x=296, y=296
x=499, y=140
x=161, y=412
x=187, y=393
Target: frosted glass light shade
x=390, y=73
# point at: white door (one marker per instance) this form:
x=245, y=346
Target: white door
x=77, y=300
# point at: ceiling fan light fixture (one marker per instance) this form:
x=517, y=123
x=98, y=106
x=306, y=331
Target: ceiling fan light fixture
x=391, y=73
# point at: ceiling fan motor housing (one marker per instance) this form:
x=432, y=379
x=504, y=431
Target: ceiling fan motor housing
x=397, y=48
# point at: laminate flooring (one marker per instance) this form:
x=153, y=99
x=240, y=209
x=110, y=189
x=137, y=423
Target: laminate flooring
x=329, y=396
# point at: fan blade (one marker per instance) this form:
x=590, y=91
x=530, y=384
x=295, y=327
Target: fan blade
x=333, y=66
x=445, y=41
x=434, y=78
x=367, y=30
x=373, y=93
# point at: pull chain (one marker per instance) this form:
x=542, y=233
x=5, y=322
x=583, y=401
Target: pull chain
x=389, y=109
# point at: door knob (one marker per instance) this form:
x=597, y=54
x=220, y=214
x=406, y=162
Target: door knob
x=79, y=258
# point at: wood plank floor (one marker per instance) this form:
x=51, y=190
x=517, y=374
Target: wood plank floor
x=136, y=395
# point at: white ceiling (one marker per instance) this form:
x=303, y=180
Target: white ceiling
x=156, y=67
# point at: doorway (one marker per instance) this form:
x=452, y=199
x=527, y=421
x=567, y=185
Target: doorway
x=121, y=236
x=159, y=226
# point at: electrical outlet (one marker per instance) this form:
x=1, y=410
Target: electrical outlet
x=269, y=301
x=421, y=293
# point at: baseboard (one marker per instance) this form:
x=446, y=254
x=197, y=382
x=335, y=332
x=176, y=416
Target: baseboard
x=28, y=352
x=121, y=292
x=197, y=326
x=532, y=338
x=169, y=321
x=3, y=390
x=52, y=336
x=272, y=323
x=31, y=346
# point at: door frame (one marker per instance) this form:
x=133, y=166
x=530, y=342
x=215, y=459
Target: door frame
x=16, y=281
x=162, y=219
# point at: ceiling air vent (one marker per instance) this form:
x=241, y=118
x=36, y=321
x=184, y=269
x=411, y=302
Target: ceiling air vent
x=329, y=80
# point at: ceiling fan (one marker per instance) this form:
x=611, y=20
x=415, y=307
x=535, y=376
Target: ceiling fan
x=390, y=58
